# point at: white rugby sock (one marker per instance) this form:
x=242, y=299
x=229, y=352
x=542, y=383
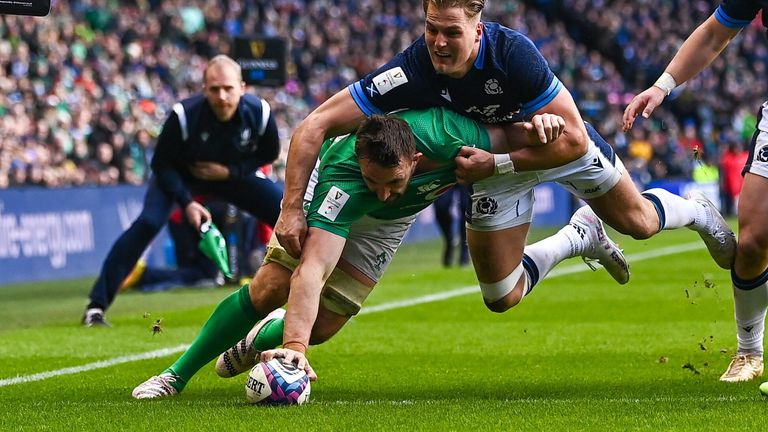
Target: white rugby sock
x=547, y=253
x=674, y=211
x=749, y=309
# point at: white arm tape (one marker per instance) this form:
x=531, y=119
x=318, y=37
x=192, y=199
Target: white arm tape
x=666, y=82
x=503, y=164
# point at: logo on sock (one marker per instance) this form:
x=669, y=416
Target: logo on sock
x=748, y=329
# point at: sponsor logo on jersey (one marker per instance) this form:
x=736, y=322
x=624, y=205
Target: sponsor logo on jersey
x=333, y=203
x=492, y=87
x=389, y=79
x=434, y=184
x=487, y=114
x=433, y=189
x=437, y=192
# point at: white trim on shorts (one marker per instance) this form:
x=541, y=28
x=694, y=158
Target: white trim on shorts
x=758, y=152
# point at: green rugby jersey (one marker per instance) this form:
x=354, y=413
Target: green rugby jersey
x=341, y=196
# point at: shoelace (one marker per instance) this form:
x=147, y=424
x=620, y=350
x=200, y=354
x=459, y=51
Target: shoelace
x=739, y=363
x=164, y=382
x=589, y=262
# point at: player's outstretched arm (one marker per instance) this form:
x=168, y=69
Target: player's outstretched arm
x=321, y=253
x=568, y=143
x=336, y=116
x=696, y=53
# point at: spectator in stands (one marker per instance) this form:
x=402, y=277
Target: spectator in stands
x=211, y=144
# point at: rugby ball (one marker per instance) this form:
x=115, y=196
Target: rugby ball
x=276, y=383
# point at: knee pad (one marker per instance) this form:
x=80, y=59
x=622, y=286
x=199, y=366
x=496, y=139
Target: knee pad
x=493, y=292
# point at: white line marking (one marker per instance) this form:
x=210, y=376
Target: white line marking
x=550, y=401
x=577, y=268
x=91, y=366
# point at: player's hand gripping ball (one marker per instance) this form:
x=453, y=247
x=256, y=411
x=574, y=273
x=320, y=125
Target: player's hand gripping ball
x=276, y=383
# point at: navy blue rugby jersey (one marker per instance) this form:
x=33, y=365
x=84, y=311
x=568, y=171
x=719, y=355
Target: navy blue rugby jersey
x=509, y=80
x=739, y=13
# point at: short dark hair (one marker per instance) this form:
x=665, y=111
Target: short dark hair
x=384, y=140
x=471, y=7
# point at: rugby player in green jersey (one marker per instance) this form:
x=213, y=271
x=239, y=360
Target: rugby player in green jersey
x=365, y=192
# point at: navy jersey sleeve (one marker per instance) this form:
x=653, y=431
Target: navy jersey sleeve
x=526, y=68
x=400, y=83
x=169, y=145
x=737, y=13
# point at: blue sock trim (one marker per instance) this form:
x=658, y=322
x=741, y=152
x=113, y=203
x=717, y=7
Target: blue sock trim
x=659, y=208
x=748, y=285
x=532, y=270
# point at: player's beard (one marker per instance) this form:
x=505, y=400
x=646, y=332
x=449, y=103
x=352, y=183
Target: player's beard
x=224, y=112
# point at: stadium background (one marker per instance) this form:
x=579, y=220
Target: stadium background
x=84, y=91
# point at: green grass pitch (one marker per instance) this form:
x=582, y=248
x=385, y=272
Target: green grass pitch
x=580, y=353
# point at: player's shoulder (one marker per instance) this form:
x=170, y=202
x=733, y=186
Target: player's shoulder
x=190, y=103
x=251, y=101
x=502, y=38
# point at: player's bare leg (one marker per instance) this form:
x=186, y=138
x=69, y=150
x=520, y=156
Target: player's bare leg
x=496, y=256
x=643, y=215
x=507, y=274
x=750, y=281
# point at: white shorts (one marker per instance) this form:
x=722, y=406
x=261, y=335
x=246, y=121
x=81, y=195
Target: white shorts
x=506, y=201
x=758, y=148
x=370, y=247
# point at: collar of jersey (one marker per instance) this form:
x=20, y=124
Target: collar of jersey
x=480, y=53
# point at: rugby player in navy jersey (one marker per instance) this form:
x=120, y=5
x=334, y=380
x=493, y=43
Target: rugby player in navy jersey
x=364, y=194
x=749, y=273
x=496, y=75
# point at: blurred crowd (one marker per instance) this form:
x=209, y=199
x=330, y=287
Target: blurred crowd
x=84, y=91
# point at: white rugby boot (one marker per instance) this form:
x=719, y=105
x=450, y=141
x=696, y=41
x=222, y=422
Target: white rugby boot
x=717, y=235
x=600, y=247
x=156, y=387
x=242, y=356
x=743, y=367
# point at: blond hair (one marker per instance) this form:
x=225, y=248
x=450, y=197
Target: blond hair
x=223, y=60
x=472, y=8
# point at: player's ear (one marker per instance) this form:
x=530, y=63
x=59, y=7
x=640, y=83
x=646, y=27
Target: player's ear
x=416, y=157
x=242, y=87
x=479, y=31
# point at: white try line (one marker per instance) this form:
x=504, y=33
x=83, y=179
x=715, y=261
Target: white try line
x=577, y=268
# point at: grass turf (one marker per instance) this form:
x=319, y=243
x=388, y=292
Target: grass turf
x=580, y=353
